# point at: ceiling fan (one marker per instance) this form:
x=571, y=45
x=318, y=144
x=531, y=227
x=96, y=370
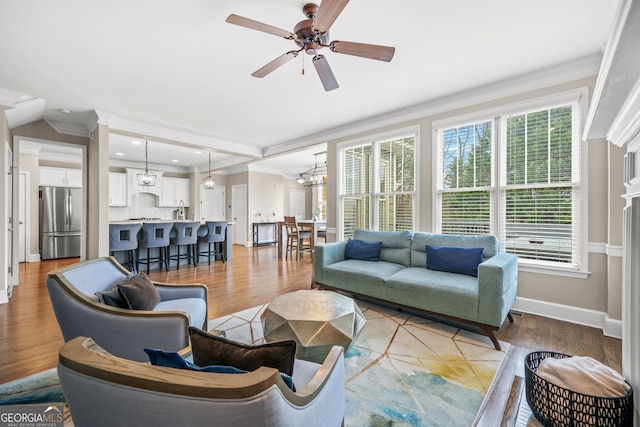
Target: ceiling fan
x=311, y=35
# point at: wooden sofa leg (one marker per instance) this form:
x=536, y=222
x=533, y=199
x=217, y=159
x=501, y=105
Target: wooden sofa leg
x=510, y=317
x=491, y=333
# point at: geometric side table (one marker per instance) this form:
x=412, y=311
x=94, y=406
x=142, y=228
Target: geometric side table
x=316, y=320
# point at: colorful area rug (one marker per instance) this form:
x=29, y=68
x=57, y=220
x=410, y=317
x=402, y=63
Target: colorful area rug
x=43, y=387
x=403, y=370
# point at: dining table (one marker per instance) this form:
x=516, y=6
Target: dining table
x=305, y=224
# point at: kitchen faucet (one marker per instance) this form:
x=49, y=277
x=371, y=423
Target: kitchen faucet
x=181, y=210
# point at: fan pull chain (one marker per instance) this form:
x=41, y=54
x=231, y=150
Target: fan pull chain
x=303, y=64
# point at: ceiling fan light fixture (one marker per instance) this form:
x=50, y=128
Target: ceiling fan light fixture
x=300, y=179
x=209, y=183
x=146, y=179
x=311, y=35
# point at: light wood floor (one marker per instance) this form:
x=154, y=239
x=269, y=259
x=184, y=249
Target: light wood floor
x=30, y=337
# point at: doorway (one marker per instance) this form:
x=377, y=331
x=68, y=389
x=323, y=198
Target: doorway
x=33, y=157
x=10, y=275
x=23, y=218
x=297, y=203
x=212, y=204
x=239, y=213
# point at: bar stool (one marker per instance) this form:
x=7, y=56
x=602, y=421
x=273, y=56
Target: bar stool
x=155, y=235
x=124, y=238
x=186, y=235
x=215, y=234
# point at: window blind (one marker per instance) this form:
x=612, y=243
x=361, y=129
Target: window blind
x=378, y=190
x=541, y=217
x=527, y=191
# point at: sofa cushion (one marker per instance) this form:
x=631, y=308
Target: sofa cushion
x=139, y=292
x=445, y=293
x=360, y=249
x=396, y=245
x=454, y=260
x=172, y=359
x=487, y=242
x=210, y=349
x=360, y=276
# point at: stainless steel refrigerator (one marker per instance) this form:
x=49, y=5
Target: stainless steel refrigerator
x=60, y=222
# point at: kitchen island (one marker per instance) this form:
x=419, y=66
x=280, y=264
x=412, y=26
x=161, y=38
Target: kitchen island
x=202, y=231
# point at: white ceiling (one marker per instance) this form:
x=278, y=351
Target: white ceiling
x=176, y=72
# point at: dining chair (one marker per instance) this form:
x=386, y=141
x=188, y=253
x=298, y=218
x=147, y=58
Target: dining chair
x=296, y=236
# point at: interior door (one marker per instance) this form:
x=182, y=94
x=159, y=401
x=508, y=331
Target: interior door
x=297, y=203
x=22, y=217
x=9, y=274
x=239, y=213
x=212, y=204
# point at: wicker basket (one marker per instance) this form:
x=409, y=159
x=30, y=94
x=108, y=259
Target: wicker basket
x=553, y=405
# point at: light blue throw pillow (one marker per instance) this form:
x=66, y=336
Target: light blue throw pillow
x=359, y=249
x=172, y=359
x=453, y=259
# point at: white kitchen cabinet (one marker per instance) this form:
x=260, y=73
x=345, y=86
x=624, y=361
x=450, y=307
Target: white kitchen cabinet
x=175, y=190
x=60, y=177
x=118, y=194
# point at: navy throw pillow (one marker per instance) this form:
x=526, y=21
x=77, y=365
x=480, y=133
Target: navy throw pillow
x=360, y=249
x=112, y=297
x=172, y=359
x=453, y=259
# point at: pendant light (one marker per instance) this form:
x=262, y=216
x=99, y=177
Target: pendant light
x=146, y=179
x=209, y=183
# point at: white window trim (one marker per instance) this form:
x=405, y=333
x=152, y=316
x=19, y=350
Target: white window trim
x=396, y=133
x=490, y=114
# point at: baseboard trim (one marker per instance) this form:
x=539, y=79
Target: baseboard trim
x=566, y=313
x=33, y=258
x=4, y=299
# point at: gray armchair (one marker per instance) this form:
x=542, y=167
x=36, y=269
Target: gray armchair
x=123, y=332
x=103, y=390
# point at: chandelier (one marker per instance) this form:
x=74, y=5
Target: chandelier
x=315, y=176
x=209, y=183
x=146, y=179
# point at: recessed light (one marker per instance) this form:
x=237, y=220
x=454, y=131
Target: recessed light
x=65, y=111
x=198, y=152
x=136, y=142
x=119, y=154
x=174, y=161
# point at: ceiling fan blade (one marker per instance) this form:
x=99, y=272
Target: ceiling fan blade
x=259, y=26
x=372, y=51
x=324, y=72
x=278, y=62
x=328, y=11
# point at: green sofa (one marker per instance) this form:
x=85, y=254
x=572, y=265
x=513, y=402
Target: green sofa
x=401, y=277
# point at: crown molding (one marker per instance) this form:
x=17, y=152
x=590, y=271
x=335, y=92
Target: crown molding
x=130, y=127
x=615, y=94
x=567, y=72
x=24, y=112
x=10, y=98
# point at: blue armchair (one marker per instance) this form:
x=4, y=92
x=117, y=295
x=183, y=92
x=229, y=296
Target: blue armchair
x=121, y=331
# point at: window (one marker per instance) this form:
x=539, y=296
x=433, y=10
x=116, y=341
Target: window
x=516, y=174
x=377, y=188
